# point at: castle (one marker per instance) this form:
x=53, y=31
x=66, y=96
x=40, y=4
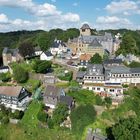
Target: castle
x=91, y=44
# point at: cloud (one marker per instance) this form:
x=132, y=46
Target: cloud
x=40, y=10
x=6, y=24
x=123, y=6
x=3, y=19
x=45, y=9
x=114, y=22
x=111, y=20
x=46, y=16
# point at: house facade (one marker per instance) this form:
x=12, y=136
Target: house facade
x=84, y=59
x=10, y=55
x=4, y=69
x=82, y=43
x=58, y=47
x=108, y=78
x=46, y=56
x=54, y=95
x=14, y=97
x=38, y=51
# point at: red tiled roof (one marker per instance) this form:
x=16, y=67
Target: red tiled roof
x=85, y=57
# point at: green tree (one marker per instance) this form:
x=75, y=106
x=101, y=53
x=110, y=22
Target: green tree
x=60, y=114
x=81, y=117
x=26, y=49
x=128, y=45
x=41, y=66
x=20, y=74
x=42, y=116
x=45, y=41
x=17, y=114
x=5, y=120
x=125, y=129
x=96, y=59
x=134, y=64
x=98, y=100
x=5, y=77
x=108, y=101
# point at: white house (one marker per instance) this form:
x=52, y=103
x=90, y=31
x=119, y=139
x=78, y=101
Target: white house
x=4, y=69
x=14, y=97
x=46, y=56
x=109, y=77
x=58, y=47
x=38, y=51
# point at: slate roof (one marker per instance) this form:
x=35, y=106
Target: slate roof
x=119, y=69
x=80, y=74
x=98, y=137
x=88, y=39
x=113, y=61
x=95, y=69
x=48, y=53
x=37, y=48
x=13, y=52
x=56, y=44
x=95, y=43
x=135, y=70
x=10, y=90
x=52, y=91
x=66, y=99
x=4, y=67
x=85, y=26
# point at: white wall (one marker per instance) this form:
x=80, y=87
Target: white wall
x=4, y=70
x=44, y=57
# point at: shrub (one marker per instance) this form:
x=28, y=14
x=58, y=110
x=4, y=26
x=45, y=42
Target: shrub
x=5, y=77
x=42, y=116
x=5, y=120
x=20, y=74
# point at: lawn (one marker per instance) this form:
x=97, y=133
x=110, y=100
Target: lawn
x=29, y=128
x=83, y=96
x=26, y=66
x=31, y=85
x=30, y=118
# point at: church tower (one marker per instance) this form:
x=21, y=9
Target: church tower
x=85, y=30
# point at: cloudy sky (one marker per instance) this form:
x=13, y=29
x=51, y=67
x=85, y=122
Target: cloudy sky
x=48, y=14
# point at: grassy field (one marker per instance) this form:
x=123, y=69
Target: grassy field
x=29, y=128
x=30, y=120
x=31, y=84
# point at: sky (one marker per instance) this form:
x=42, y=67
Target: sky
x=49, y=14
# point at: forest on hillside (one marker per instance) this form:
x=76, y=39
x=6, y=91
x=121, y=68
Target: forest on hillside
x=44, y=39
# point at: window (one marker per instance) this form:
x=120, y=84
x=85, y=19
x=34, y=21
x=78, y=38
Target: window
x=111, y=90
x=98, y=89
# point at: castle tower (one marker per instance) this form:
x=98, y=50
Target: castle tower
x=85, y=30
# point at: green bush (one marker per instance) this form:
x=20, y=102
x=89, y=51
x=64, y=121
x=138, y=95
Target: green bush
x=17, y=114
x=20, y=74
x=5, y=77
x=67, y=77
x=42, y=116
x=41, y=66
x=5, y=120
x=81, y=117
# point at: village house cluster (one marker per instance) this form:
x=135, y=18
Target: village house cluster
x=106, y=79
x=109, y=78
